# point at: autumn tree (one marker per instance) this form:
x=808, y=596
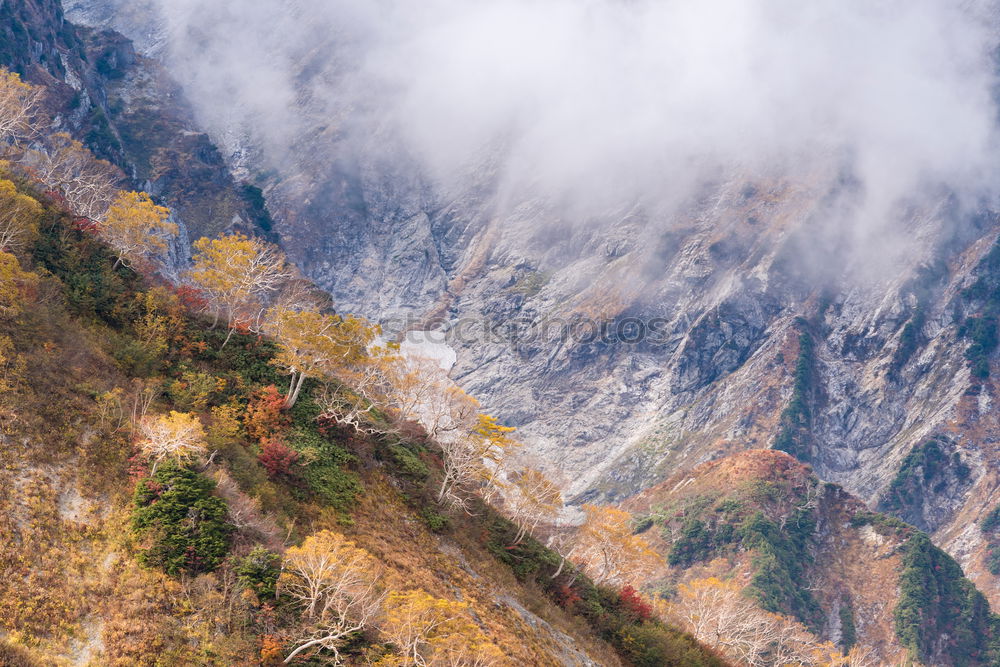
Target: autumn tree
x=472, y=449
x=239, y=275
x=608, y=551
x=159, y=324
x=360, y=386
x=533, y=498
x=177, y=435
x=337, y=584
x=136, y=228
x=265, y=415
x=19, y=105
x=317, y=345
x=429, y=631
x=296, y=293
x=419, y=386
x=88, y=185
x=15, y=284
x=19, y=215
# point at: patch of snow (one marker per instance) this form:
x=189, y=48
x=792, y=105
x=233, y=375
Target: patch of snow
x=430, y=345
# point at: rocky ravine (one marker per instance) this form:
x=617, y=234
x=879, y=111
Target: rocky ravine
x=724, y=278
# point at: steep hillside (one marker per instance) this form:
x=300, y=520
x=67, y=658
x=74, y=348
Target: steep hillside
x=110, y=557
x=809, y=549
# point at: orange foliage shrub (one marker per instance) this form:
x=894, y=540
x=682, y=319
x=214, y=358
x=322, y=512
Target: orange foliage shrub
x=270, y=651
x=266, y=415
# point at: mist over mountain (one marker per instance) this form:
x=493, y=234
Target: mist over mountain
x=607, y=103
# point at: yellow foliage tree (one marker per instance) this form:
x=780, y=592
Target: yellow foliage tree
x=15, y=282
x=178, y=435
x=19, y=103
x=362, y=385
x=429, y=631
x=337, y=585
x=317, y=345
x=609, y=552
x=239, y=275
x=160, y=321
x=19, y=215
x=472, y=454
x=224, y=426
x=476, y=448
x=136, y=228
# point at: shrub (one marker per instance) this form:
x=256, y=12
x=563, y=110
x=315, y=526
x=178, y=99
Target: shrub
x=436, y=521
x=193, y=391
x=258, y=571
x=694, y=544
x=883, y=523
x=655, y=645
x=936, y=599
x=266, y=416
x=277, y=458
x=793, y=437
x=848, y=629
x=642, y=524
x=922, y=465
x=993, y=559
x=634, y=606
x=909, y=339
x=991, y=521
x=183, y=524
x=322, y=464
x=780, y=562
x=982, y=332
x=408, y=463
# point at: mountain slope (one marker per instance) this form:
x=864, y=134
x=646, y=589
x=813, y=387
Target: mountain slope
x=809, y=549
x=90, y=349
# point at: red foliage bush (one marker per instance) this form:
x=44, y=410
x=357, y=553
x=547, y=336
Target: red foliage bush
x=566, y=596
x=277, y=458
x=633, y=604
x=81, y=224
x=191, y=298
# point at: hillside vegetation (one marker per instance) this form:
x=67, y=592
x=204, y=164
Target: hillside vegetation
x=761, y=524
x=212, y=472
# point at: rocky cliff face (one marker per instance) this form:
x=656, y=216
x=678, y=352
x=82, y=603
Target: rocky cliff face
x=632, y=342
x=126, y=109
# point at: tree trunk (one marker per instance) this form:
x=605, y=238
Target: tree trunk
x=294, y=387
x=308, y=644
x=228, y=336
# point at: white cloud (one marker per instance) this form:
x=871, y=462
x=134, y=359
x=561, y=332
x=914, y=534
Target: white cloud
x=594, y=101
